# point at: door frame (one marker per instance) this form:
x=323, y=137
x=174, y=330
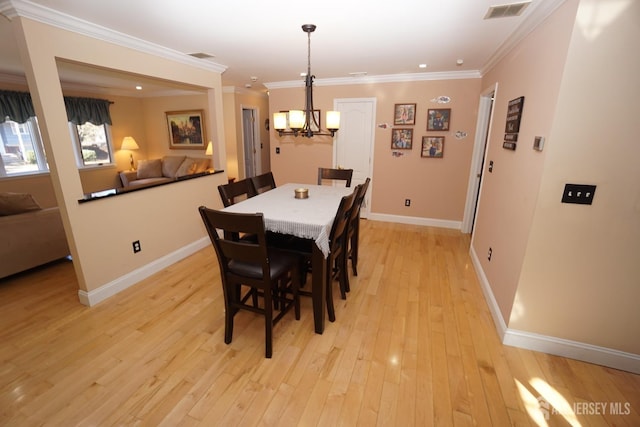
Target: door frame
x=480, y=148
x=255, y=152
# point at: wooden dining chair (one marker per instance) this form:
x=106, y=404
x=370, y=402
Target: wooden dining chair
x=237, y=189
x=252, y=272
x=337, y=261
x=335, y=174
x=262, y=183
x=353, y=236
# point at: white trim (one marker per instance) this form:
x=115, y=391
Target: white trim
x=552, y=345
x=110, y=289
x=386, y=78
x=574, y=350
x=538, y=12
x=428, y=222
x=57, y=19
x=494, y=308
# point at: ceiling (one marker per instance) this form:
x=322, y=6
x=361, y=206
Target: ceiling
x=259, y=42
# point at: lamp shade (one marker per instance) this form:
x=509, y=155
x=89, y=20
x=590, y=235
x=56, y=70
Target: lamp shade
x=279, y=121
x=209, y=150
x=128, y=143
x=296, y=119
x=333, y=120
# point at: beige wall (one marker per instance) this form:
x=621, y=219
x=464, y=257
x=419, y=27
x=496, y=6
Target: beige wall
x=436, y=187
x=567, y=271
x=581, y=269
x=164, y=219
x=509, y=194
x=234, y=101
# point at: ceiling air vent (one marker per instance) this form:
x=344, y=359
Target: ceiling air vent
x=506, y=10
x=201, y=55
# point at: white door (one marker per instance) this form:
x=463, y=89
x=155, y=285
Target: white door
x=353, y=148
x=483, y=127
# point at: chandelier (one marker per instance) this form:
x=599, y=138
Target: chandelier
x=305, y=123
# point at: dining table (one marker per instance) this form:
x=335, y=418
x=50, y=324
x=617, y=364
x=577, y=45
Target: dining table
x=308, y=218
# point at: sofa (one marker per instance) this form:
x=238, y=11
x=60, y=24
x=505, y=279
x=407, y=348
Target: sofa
x=166, y=169
x=31, y=236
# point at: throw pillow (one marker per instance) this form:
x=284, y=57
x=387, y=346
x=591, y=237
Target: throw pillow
x=16, y=203
x=149, y=168
x=188, y=167
x=170, y=165
x=202, y=165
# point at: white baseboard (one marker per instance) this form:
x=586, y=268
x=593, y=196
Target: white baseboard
x=498, y=320
x=121, y=283
x=552, y=345
x=429, y=222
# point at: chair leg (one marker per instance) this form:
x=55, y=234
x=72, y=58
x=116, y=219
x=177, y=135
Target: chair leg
x=354, y=253
x=228, y=325
x=268, y=330
x=343, y=275
x=329, y=293
x=295, y=288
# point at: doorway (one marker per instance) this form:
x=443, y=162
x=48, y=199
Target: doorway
x=483, y=128
x=353, y=147
x=251, y=142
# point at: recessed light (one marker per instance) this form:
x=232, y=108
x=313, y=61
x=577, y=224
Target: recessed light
x=138, y=87
x=422, y=66
x=460, y=62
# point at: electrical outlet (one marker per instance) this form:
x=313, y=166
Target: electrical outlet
x=578, y=193
x=136, y=246
x=407, y=202
x=489, y=254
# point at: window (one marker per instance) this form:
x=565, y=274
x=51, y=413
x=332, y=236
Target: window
x=93, y=143
x=21, y=149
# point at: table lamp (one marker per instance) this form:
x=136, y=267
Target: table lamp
x=128, y=143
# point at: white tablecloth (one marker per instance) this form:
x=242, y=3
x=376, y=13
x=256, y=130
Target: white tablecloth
x=309, y=218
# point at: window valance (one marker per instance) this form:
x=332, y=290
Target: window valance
x=82, y=110
x=18, y=107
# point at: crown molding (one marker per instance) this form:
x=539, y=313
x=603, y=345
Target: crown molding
x=23, y=8
x=538, y=12
x=385, y=78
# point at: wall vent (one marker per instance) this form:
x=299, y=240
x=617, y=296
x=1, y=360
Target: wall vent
x=506, y=10
x=201, y=55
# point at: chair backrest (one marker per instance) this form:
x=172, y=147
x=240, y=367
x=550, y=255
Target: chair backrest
x=238, y=257
x=361, y=191
x=262, y=183
x=229, y=192
x=339, y=227
x=335, y=174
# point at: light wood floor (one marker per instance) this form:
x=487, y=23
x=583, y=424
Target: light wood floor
x=413, y=345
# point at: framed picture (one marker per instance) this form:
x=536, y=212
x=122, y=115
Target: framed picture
x=186, y=129
x=401, y=139
x=404, y=114
x=438, y=119
x=432, y=146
